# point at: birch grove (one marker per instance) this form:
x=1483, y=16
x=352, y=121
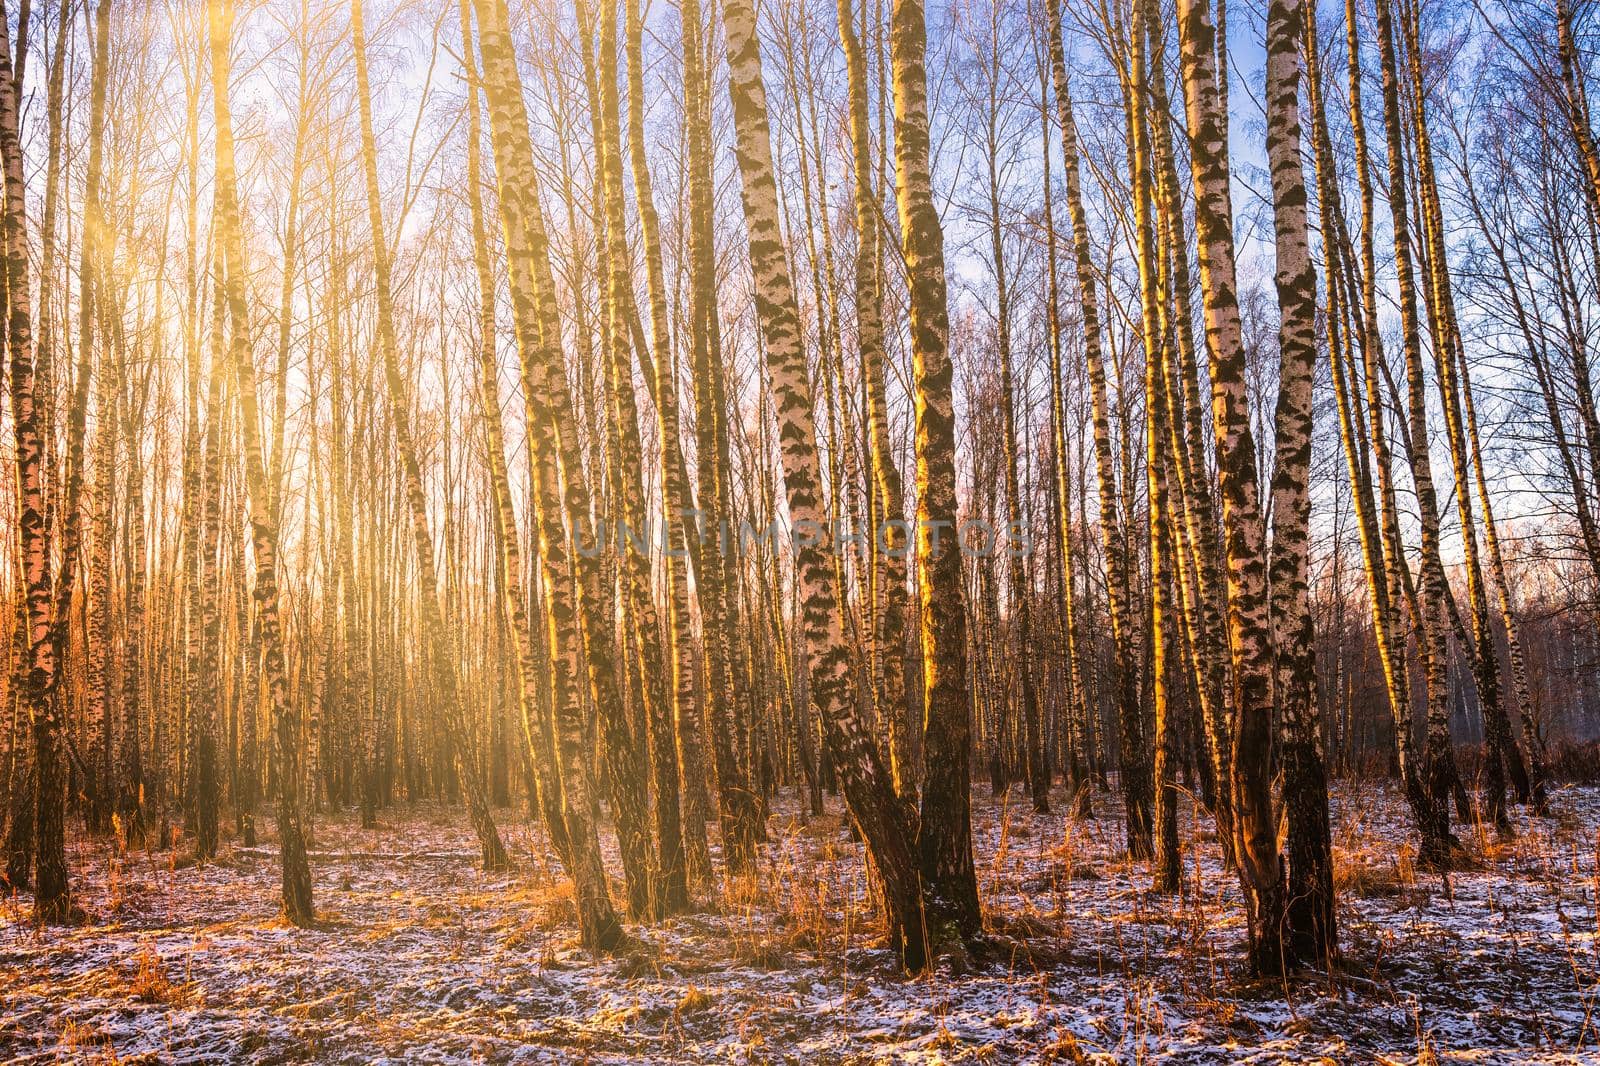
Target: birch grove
x=646, y=432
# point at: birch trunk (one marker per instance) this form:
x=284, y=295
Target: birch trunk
x=52, y=900
x=1244, y=537
x=945, y=833
x=672, y=892
x=264, y=532
x=537, y=729
x=1124, y=678
x=884, y=821
x=1305, y=791
x=1439, y=772
x=554, y=449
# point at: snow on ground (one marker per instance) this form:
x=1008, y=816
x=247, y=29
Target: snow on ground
x=421, y=957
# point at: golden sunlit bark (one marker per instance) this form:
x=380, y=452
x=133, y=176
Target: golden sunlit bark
x=294, y=544
x=639, y=620
x=944, y=837
x=1198, y=547
x=538, y=731
x=1154, y=336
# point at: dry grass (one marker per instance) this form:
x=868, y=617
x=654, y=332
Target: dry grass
x=151, y=984
x=1372, y=871
x=1081, y=960
x=695, y=1001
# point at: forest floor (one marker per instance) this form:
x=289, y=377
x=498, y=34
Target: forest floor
x=421, y=957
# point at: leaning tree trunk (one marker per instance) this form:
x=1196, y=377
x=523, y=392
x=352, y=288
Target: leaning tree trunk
x=891, y=533
x=536, y=728
x=1195, y=520
x=1387, y=599
x=1535, y=771
x=606, y=649
x=640, y=628
x=1502, y=755
x=606, y=646
x=1154, y=334
x=883, y=820
x=553, y=448
x=1575, y=100
x=715, y=580
x=1440, y=770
